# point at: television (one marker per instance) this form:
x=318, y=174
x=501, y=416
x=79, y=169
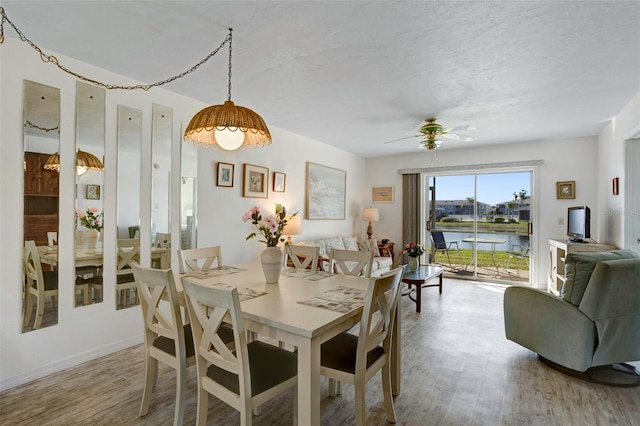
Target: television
x=579, y=223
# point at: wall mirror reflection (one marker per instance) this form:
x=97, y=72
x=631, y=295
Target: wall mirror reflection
x=162, y=129
x=128, y=204
x=90, y=133
x=41, y=116
x=188, y=193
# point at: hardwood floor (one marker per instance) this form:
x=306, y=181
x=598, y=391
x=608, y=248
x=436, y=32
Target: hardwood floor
x=458, y=369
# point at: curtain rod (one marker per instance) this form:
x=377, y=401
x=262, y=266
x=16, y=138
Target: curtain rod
x=465, y=167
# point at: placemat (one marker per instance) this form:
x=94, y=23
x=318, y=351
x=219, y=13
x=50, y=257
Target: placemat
x=243, y=292
x=214, y=272
x=305, y=274
x=339, y=299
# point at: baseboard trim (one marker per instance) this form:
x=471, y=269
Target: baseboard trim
x=69, y=362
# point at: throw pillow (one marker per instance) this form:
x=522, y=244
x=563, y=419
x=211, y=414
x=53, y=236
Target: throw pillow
x=579, y=267
x=370, y=245
x=334, y=243
x=350, y=243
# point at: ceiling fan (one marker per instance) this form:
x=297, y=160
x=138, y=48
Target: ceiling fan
x=434, y=133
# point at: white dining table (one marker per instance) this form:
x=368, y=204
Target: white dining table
x=93, y=256
x=278, y=315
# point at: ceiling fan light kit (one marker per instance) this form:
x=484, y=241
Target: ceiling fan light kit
x=433, y=133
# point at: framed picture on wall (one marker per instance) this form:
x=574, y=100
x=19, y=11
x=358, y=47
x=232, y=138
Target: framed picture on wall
x=279, y=180
x=92, y=192
x=225, y=174
x=566, y=190
x=382, y=194
x=326, y=192
x=256, y=181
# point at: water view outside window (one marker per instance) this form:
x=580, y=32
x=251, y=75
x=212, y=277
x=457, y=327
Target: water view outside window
x=484, y=220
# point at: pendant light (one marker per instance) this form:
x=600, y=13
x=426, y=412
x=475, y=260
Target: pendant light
x=227, y=126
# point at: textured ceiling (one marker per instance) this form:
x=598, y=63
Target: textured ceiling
x=359, y=73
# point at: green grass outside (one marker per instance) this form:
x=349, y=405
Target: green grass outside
x=484, y=259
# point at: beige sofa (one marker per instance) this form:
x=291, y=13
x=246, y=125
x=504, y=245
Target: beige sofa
x=381, y=264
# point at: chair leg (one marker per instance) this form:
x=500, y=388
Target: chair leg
x=28, y=309
x=181, y=385
x=203, y=406
x=39, y=313
x=361, y=409
x=150, y=371
x=386, y=391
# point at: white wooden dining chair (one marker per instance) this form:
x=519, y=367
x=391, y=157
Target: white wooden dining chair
x=302, y=257
x=351, y=262
x=245, y=378
x=199, y=259
x=41, y=284
x=166, y=338
x=355, y=359
x=163, y=241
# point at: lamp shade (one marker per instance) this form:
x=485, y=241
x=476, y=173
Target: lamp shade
x=227, y=126
x=84, y=161
x=294, y=226
x=370, y=215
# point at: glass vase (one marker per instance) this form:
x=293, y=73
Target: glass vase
x=413, y=263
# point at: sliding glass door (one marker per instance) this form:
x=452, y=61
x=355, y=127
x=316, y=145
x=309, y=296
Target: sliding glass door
x=479, y=225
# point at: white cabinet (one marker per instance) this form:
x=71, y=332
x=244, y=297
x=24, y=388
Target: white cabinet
x=558, y=250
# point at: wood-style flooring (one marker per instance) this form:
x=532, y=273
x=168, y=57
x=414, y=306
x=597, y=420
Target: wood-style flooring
x=457, y=369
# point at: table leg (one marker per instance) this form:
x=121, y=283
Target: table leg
x=309, y=382
x=418, y=297
x=440, y=283
x=396, y=346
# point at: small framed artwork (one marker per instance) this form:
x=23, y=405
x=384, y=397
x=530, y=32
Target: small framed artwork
x=382, y=194
x=616, y=186
x=566, y=190
x=256, y=180
x=92, y=192
x=279, y=180
x=225, y=174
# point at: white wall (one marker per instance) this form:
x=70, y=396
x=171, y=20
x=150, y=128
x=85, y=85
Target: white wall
x=611, y=160
x=563, y=160
x=91, y=331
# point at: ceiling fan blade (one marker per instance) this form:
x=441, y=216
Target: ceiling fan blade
x=459, y=129
x=456, y=137
x=406, y=137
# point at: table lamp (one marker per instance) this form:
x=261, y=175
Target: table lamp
x=293, y=227
x=370, y=215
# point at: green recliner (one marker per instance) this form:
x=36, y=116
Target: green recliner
x=595, y=322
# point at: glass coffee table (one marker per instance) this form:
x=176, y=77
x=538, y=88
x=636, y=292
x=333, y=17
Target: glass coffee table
x=419, y=279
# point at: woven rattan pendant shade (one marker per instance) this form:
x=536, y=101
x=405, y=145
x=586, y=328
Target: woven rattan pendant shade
x=84, y=161
x=201, y=128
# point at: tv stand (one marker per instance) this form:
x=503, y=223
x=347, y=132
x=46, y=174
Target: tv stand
x=558, y=251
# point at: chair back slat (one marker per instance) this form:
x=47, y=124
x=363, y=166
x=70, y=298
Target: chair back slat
x=128, y=253
x=207, y=307
x=303, y=257
x=199, y=259
x=351, y=262
x=155, y=286
x=382, y=297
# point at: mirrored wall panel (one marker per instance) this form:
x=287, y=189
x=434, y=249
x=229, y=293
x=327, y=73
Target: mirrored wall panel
x=161, y=186
x=90, y=128
x=188, y=194
x=128, y=203
x=41, y=116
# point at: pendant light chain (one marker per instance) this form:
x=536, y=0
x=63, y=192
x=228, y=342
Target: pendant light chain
x=50, y=58
x=230, y=37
